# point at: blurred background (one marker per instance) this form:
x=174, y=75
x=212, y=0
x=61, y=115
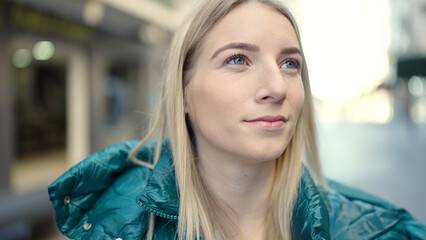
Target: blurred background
x=78, y=75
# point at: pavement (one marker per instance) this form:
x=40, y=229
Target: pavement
x=387, y=160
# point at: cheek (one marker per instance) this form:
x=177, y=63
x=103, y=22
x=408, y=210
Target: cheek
x=298, y=98
x=301, y=98
x=214, y=95
x=214, y=105
x=203, y=102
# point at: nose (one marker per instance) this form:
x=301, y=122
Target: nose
x=272, y=85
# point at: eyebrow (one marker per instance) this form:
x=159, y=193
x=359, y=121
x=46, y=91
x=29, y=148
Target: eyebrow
x=291, y=50
x=253, y=48
x=236, y=45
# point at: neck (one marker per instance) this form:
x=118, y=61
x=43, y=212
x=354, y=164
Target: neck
x=242, y=190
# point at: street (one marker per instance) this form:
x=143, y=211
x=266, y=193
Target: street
x=387, y=160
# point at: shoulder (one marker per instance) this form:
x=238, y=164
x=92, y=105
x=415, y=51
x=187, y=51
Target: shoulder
x=355, y=214
x=96, y=199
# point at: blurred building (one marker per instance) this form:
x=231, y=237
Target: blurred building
x=375, y=141
x=407, y=54
x=76, y=76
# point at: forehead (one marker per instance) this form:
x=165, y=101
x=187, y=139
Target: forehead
x=253, y=22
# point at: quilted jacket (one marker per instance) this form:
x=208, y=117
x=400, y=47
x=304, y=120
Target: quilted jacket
x=108, y=197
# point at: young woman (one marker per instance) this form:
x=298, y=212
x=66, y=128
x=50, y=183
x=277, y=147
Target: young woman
x=223, y=159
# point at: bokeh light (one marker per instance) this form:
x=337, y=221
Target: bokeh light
x=93, y=12
x=416, y=86
x=418, y=111
x=346, y=50
x=151, y=34
x=43, y=50
x=21, y=58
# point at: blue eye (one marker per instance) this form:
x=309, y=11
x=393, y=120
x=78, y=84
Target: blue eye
x=237, y=60
x=292, y=64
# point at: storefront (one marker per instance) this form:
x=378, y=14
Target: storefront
x=69, y=88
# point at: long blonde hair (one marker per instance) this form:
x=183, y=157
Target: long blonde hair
x=198, y=215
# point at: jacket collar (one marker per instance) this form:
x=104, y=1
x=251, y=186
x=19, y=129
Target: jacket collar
x=310, y=214
x=161, y=197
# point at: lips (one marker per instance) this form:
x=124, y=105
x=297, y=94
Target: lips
x=269, y=121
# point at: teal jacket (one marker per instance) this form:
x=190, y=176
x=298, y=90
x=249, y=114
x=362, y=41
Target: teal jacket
x=108, y=197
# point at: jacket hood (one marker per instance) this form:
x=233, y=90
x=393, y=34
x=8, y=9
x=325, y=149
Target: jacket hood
x=101, y=198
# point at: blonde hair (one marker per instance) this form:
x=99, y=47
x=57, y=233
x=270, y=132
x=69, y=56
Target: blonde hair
x=198, y=215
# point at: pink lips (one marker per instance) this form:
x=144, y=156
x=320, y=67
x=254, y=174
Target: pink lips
x=269, y=121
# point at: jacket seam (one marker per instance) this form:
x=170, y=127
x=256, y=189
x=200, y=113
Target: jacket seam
x=157, y=212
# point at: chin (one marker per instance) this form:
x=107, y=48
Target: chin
x=273, y=156
x=268, y=153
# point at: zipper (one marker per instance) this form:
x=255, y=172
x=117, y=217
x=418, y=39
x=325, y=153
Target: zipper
x=158, y=212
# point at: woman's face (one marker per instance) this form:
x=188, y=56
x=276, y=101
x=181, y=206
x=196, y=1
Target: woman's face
x=246, y=91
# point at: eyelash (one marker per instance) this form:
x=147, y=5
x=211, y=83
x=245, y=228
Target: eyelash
x=294, y=60
x=237, y=55
x=240, y=55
